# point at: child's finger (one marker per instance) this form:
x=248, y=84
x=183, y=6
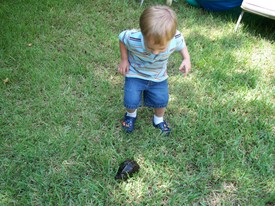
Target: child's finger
x=183, y=69
x=187, y=70
x=121, y=71
x=185, y=74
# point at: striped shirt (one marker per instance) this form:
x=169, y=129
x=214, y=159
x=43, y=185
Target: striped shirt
x=144, y=64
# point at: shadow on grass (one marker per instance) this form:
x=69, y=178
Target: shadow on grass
x=252, y=24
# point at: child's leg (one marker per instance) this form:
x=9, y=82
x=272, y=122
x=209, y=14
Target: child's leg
x=130, y=117
x=160, y=111
x=157, y=96
x=159, y=122
x=133, y=89
x=158, y=115
x=131, y=113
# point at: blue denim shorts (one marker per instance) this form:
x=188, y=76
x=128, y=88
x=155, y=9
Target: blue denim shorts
x=153, y=94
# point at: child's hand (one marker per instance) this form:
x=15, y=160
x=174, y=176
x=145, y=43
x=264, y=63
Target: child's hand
x=123, y=67
x=185, y=67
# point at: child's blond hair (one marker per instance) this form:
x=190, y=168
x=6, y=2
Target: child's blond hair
x=158, y=24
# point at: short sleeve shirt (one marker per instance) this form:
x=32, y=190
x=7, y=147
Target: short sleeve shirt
x=144, y=64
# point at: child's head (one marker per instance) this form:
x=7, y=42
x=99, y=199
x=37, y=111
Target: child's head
x=158, y=25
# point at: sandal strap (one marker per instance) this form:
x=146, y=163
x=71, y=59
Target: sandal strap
x=128, y=123
x=163, y=126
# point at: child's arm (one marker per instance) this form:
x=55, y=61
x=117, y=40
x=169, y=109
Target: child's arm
x=123, y=67
x=186, y=63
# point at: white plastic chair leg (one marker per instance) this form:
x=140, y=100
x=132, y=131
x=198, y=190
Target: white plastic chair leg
x=169, y=2
x=239, y=20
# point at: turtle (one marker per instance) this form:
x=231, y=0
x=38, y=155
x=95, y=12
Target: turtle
x=127, y=169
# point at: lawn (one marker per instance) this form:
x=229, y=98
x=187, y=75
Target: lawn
x=61, y=106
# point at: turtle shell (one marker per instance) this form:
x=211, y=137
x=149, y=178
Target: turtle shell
x=127, y=169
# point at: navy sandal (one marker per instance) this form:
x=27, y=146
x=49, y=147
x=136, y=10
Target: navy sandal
x=163, y=126
x=128, y=124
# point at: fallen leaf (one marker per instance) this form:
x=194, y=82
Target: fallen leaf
x=6, y=80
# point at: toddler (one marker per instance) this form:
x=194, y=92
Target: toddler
x=144, y=58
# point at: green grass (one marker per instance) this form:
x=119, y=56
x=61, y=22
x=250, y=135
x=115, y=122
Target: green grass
x=60, y=111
